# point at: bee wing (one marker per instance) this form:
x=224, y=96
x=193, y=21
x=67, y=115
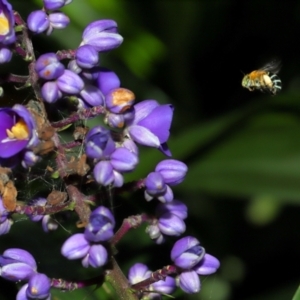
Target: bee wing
x=273, y=66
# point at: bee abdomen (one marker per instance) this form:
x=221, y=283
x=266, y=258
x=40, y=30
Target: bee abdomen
x=276, y=81
x=277, y=85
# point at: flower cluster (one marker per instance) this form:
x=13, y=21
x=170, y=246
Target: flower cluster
x=87, y=245
x=79, y=177
x=18, y=264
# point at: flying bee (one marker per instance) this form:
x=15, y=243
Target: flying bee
x=264, y=79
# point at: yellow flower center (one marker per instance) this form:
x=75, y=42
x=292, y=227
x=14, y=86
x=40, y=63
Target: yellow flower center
x=19, y=131
x=4, y=24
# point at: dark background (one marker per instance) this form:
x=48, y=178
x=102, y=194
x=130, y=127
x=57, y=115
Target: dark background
x=242, y=148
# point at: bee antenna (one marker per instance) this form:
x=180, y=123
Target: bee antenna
x=242, y=72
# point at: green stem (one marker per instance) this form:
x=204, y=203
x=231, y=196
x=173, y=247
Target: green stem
x=119, y=282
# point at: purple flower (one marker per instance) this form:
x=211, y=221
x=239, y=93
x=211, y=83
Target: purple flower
x=76, y=246
x=98, y=143
x=107, y=80
x=22, y=293
x=86, y=56
x=137, y=273
x=155, y=184
x=189, y=282
x=102, y=35
x=166, y=286
x=170, y=224
x=70, y=83
x=5, y=55
x=96, y=258
x=151, y=124
x=174, y=207
x=38, y=21
x=20, y=255
x=17, y=130
x=173, y=171
x=91, y=74
x=5, y=226
x=104, y=173
x=51, y=92
x=49, y=67
x=114, y=120
x=29, y=159
x=101, y=225
x=38, y=287
x=109, y=171
x=119, y=100
x=187, y=252
x=17, y=264
x=123, y=160
x=58, y=20
x=55, y=4
x=7, y=21
x=208, y=265
x=167, y=172
x=92, y=95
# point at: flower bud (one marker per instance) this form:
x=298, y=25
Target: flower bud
x=58, y=20
x=107, y=80
x=54, y=4
x=123, y=160
x=5, y=55
x=189, y=282
x=101, y=225
x=170, y=224
x=49, y=67
x=96, y=141
x=173, y=171
x=38, y=287
x=137, y=273
x=86, y=56
x=174, y=207
x=70, y=83
x=155, y=184
x=76, y=246
x=114, y=120
x=102, y=35
x=208, y=265
x=38, y=21
x=5, y=226
x=97, y=256
x=166, y=286
x=103, y=173
x=92, y=95
x=187, y=252
x=51, y=92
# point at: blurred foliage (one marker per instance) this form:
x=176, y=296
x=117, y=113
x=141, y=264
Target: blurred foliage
x=242, y=148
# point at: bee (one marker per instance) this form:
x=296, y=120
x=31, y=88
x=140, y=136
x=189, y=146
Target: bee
x=264, y=79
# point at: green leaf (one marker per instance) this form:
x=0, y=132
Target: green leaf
x=258, y=157
x=297, y=295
